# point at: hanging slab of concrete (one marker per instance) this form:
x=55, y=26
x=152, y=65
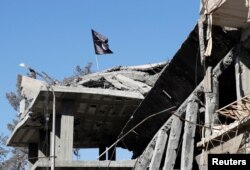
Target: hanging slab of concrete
x=177, y=80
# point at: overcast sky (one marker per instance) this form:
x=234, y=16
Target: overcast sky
x=55, y=36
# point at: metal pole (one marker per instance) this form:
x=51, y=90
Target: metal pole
x=53, y=130
x=52, y=156
x=53, y=122
x=97, y=64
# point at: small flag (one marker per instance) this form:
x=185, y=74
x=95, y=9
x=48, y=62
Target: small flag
x=100, y=43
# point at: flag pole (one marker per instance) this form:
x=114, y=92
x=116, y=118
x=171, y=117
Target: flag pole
x=101, y=45
x=97, y=64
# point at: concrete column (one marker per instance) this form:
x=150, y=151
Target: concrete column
x=242, y=67
x=242, y=74
x=187, y=152
x=211, y=85
x=159, y=149
x=64, y=132
x=173, y=144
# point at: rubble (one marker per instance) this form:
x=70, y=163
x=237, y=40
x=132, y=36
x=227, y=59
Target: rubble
x=134, y=78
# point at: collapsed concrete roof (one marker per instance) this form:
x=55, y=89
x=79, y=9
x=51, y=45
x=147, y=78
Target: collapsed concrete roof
x=134, y=78
x=103, y=102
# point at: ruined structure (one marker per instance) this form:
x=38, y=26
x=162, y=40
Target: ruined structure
x=207, y=82
x=215, y=116
x=91, y=111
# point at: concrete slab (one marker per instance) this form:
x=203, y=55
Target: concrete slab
x=86, y=165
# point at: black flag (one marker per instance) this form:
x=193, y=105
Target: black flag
x=100, y=43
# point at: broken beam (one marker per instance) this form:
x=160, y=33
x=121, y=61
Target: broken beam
x=144, y=160
x=187, y=153
x=159, y=149
x=201, y=38
x=217, y=71
x=173, y=144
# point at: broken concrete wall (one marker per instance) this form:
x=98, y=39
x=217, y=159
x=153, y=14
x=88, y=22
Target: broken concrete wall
x=176, y=82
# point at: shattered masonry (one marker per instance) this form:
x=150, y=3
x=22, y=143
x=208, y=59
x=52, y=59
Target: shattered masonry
x=207, y=80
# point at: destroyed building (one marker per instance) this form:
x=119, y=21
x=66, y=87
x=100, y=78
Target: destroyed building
x=171, y=114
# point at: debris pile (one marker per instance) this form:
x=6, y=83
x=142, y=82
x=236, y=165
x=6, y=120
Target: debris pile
x=134, y=78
